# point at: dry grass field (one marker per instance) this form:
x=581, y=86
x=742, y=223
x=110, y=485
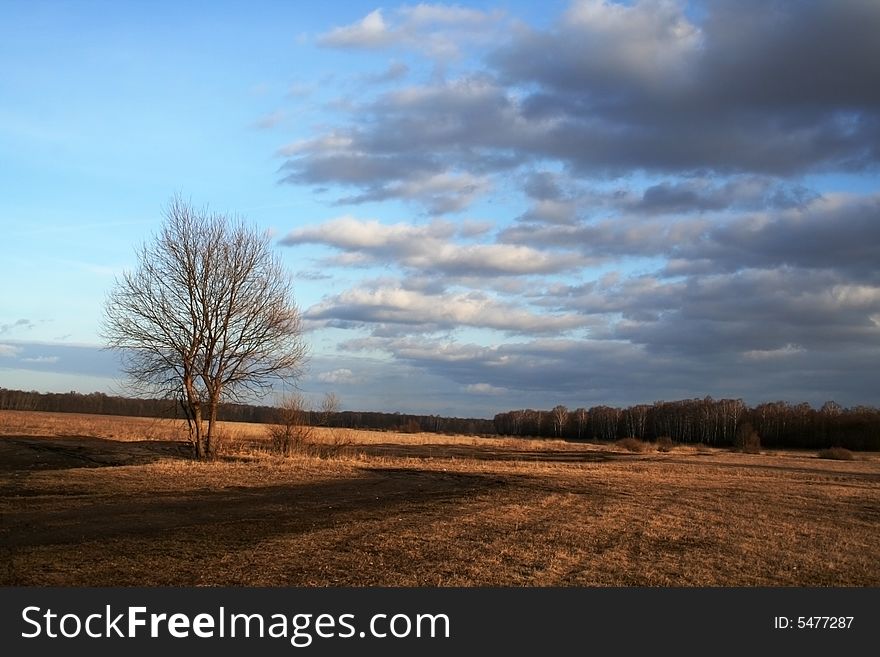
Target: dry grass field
x=104, y=501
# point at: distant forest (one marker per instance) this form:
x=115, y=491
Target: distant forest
x=713, y=422
x=101, y=404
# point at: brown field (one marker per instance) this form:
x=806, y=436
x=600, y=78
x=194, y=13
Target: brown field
x=103, y=501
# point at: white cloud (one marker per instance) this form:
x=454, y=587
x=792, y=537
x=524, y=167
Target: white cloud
x=387, y=303
x=484, y=389
x=9, y=351
x=645, y=40
x=369, y=32
x=44, y=360
x=774, y=354
x=339, y=376
x=429, y=247
x=434, y=29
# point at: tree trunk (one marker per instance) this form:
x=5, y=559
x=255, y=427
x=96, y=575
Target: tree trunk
x=197, y=428
x=193, y=410
x=211, y=439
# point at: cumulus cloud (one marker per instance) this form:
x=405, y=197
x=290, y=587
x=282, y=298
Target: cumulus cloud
x=9, y=350
x=428, y=247
x=667, y=228
x=840, y=232
x=436, y=30
x=606, y=46
x=342, y=375
x=770, y=89
x=369, y=32
x=484, y=389
x=440, y=193
x=385, y=303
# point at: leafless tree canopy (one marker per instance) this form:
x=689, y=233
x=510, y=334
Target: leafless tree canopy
x=206, y=317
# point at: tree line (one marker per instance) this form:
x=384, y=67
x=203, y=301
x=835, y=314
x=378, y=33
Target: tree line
x=714, y=422
x=103, y=404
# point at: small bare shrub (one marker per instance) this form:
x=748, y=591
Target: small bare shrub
x=338, y=439
x=747, y=440
x=665, y=444
x=329, y=408
x=632, y=444
x=411, y=426
x=836, y=454
x=293, y=431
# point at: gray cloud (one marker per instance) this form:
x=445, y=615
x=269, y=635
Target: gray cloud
x=761, y=87
x=18, y=325
x=702, y=195
x=839, y=232
x=754, y=87
x=541, y=373
x=671, y=146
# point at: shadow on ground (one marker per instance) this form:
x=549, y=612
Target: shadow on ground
x=19, y=453
x=486, y=453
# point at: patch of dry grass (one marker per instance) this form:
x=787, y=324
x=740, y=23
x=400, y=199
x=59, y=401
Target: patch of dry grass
x=413, y=510
x=665, y=444
x=632, y=445
x=836, y=454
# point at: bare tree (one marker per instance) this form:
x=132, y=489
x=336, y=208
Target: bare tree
x=206, y=317
x=581, y=418
x=338, y=439
x=560, y=419
x=329, y=408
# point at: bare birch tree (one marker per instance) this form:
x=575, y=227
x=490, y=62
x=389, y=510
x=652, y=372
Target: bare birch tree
x=206, y=317
x=560, y=419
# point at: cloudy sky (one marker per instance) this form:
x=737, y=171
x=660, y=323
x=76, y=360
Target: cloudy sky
x=485, y=206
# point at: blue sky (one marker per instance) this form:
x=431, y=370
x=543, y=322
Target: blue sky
x=485, y=206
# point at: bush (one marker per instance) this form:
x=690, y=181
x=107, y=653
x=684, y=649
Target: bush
x=665, y=444
x=631, y=444
x=747, y=440
x=836, y=453
x=411, y=426
x=293, y=429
